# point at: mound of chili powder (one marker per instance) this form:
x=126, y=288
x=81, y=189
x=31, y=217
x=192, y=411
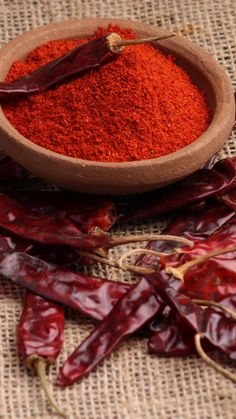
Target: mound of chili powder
x=139, y=106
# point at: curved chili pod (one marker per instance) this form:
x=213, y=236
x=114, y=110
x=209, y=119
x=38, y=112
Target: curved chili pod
x=201, y=184
x=82, y=58
x=194, y=226
x=92, y=296
x=131, y=312
x=16, y=218
x=88, y=212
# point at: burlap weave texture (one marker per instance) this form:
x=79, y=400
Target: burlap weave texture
x=130, y=384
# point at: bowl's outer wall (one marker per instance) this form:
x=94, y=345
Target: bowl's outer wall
x=131, y=177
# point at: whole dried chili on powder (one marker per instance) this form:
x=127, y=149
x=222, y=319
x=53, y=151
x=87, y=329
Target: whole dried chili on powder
x=140, y=105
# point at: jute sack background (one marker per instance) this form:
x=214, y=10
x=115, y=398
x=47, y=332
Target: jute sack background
x=130, y=384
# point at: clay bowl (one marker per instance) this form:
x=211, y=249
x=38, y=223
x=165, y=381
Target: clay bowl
x=131, y=177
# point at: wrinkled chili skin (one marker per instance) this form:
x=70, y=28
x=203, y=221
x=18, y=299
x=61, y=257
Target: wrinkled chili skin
x=219, y=329
x=135, y=309
x=41, y=328
x=215, y=277
x=229, y=199
x=224, y=238
x=181, y=318
x=194, y=226
x=16, y=218
x=201, y=184
x=86, y=211
x=172, y=340
x=227, y=167
x=81, y=59
x=187, y=311
x=92, y=296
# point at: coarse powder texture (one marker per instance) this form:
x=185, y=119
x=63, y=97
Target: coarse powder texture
x=141, y=105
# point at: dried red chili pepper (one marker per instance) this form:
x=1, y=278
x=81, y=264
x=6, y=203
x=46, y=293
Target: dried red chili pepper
x=40, y=337
x=82, y=58
x=214, y=278
x=86, y=56
x=175, y=336
x=168, y=289
x=21, y=221
x=219, y=328
x=211, y=280
x=223, y=337
x=179, y=333
x=225, y=237
x=45, y=229
x=42, y=323
x=92, y=296
x=193, y=226
x=88, y=212
x=170, y=338
x=227, y=167
x=201, y=184
x=41, y=328
x=130, y=313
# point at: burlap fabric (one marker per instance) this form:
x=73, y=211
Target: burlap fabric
x=130, y=384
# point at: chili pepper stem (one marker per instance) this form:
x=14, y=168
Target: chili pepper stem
x=208, y=303
x=209, y=361
x=180, y=271
x=115, y=264
x=118, y=240
x=117, y=44
x=40, y=368
x=132, y=239
x=125, y=42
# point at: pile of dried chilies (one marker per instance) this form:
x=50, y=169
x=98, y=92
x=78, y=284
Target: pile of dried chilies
x=185, y=299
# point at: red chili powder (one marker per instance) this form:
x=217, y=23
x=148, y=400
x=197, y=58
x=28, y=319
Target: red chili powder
x=140, y=106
